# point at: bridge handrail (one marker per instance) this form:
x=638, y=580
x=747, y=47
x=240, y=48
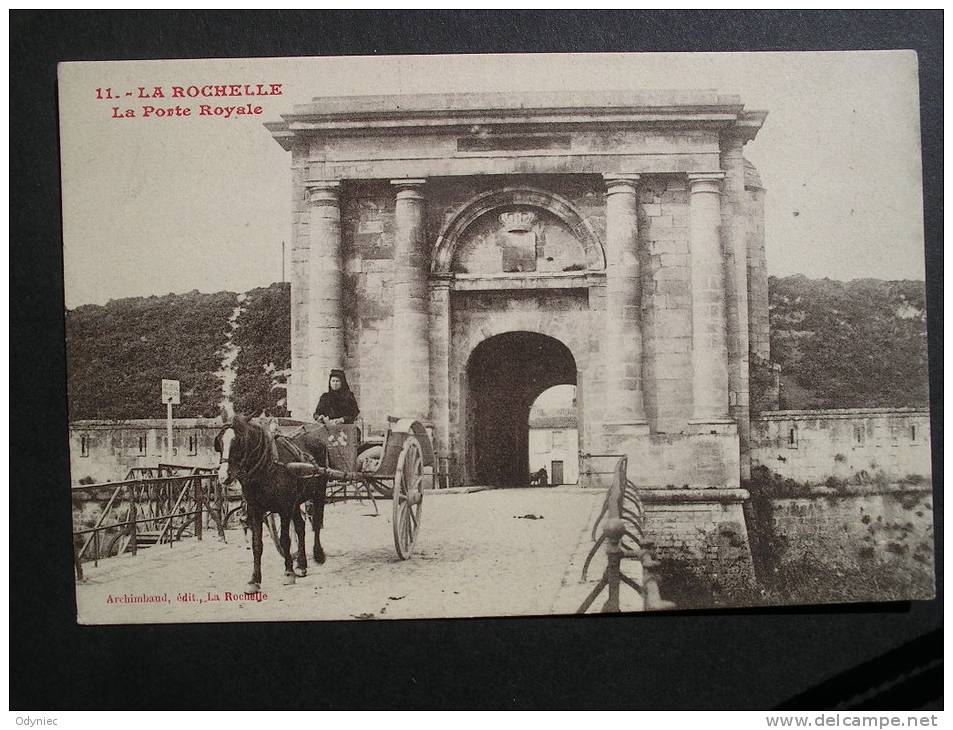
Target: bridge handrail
x=623, y=518
x=147, y=480
x=199, y=500
x=139, y=521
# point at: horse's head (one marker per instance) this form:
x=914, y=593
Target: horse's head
x=228, y=443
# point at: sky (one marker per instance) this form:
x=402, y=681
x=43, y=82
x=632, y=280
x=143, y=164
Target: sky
x=159, y=205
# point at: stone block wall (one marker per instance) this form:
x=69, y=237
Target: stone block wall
x=683, y=461
x=367, y=230
x=666, y=302
x=367, y=233
x=848, y=532
x=851, y=444
x=446, y=197
x=107, y=450
x=476, y=316
x=702, y=529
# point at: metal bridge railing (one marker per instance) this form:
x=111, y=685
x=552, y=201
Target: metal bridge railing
x=152, y=506
x=623, y=532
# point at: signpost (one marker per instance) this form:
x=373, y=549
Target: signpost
x=170, y=396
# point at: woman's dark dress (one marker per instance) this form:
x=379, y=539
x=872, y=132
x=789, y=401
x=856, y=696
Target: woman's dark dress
x=337, y=404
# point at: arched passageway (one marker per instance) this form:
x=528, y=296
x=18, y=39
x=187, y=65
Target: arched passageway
x=505, y=375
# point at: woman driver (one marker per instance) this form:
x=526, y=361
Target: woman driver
x=338, y=405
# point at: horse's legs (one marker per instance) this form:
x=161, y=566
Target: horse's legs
x=255, y=518
x=317, y=518
x=285, y=541
x=298, y=520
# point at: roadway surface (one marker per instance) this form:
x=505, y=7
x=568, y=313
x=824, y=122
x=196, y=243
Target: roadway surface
x=510, y=552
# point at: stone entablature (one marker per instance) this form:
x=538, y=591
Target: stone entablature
x=436, y=135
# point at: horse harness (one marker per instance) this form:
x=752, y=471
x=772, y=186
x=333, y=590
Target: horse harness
x=258, y=456
x=266, y=452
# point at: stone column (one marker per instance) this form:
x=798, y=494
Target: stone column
x=709, y=348
x=622, y=353
x=325, y=288
x=411, y=354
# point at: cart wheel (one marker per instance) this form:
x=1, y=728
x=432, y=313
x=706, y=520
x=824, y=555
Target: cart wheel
x=237, y=512
x=408, y=497
x=112, y=546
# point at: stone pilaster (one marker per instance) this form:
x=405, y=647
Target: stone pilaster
x=297, y=394
x=411, y=355
x=325, y=289
x=734, y=225
x=440, y=364
x=759, y=339
x=709, y=345
x=622, y=353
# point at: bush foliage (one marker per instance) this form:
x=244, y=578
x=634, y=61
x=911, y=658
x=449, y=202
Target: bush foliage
x=840, y=345
x=855, y=344
x=119, y=353
x=264, y=358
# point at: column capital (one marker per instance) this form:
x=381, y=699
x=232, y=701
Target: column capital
x=408, y=188
x=705, y=182
x=621, y=183
x=322, y=192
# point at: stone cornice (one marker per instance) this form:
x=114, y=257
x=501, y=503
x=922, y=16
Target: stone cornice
x=522, y=280
x=144, y=423
x=360, y=114
x=693, y=495
x=840, y=413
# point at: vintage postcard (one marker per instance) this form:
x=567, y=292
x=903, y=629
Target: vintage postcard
x=450, y=336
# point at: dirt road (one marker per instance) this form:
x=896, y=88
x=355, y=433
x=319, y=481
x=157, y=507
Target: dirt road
x=489, y=553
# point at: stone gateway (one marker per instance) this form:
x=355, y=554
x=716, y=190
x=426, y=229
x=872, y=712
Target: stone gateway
x=458, y=255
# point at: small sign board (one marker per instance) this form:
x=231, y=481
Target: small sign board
x=170, y=392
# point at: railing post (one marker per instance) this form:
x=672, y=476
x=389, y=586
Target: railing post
x=220, y=506
x=199, y=504
x=614, y=530
x=96, y=547
x=133, y=527
x=77, y=562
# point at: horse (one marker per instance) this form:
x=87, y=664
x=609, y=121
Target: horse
x=251, y=455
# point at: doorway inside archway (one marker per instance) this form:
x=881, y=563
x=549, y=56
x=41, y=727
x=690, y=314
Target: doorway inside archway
x=554, y=437
x=506, y=373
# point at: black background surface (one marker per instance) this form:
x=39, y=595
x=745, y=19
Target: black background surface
x=808, y=657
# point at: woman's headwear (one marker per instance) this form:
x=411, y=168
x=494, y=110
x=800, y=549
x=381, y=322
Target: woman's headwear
x=337, y=373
